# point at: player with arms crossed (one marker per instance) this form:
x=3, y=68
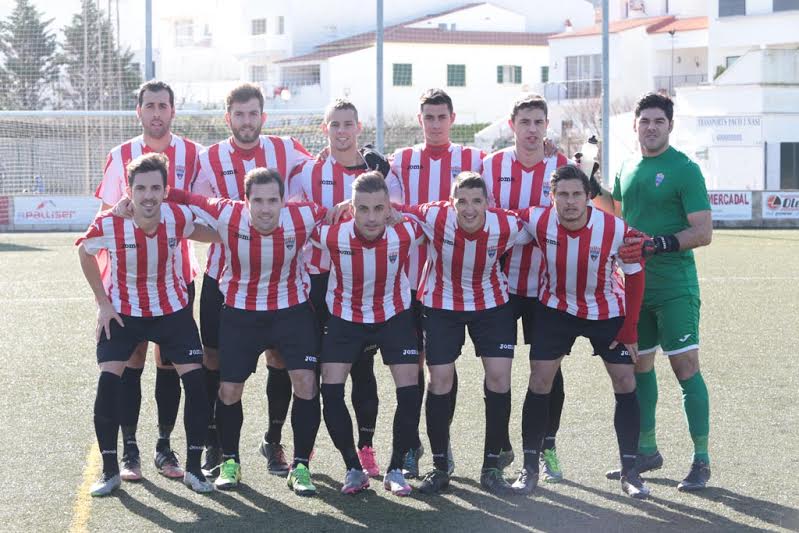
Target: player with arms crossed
x=146, y=300
x=663, y=194
x=222, y=170
x=155, y=110
x=580, y=294
x=327, y=181
x=369, y=300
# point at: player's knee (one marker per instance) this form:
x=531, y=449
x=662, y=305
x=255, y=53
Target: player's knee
x=304, y=383
x=623, y=382
x=210, y=358
x=230, y=393
x=685, y=365
x=440, y=380
x=498, y=382
x=540, y=383
x=114, y=367
x=138, y=356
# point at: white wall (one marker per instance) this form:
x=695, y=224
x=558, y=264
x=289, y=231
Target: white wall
x=484, y=17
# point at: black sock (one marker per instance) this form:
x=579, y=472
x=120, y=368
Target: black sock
x=364, y=398
x=406, y=424
x=305, y=418
x=534, y=427
x=229, y=418
x=417, y=442
x=106, y=420
x=129, y=399
x=497, y=415
x=339, y=424
x=453, y=396
x=195, y=418
x=167, y=398
x=278, y=397
x=556, y=397
x=627, y=421
x=437, y=413
x=212, y=390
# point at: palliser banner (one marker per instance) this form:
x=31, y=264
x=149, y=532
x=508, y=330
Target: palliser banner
x=730, y=205
x=54, y=210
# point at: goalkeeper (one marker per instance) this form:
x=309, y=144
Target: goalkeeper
x=663, y=193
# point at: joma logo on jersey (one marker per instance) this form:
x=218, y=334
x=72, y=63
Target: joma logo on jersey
x=506, y=179
x=553, y=242
x=242, y=236
x=415, y=167
x=228, y=172
x=449, y=242
x=594, y=252
x=130, y=246
x=393, y=257
x=290, y=241
x=172, y=242
x=344, y=252
x=328, y=182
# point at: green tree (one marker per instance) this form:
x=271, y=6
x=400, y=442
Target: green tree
x=30, y=63
x=99, y=75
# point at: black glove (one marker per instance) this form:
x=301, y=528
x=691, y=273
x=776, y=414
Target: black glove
x=660, y=244
x=375, y=160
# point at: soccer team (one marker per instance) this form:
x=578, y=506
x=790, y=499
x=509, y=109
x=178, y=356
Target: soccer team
x=321, y=262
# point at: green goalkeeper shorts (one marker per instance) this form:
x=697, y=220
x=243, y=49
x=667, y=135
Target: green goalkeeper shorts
x=670, y=320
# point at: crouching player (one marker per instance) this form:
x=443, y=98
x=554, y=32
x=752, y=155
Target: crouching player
x=147, y=300
x=580, y=294
x=370, y=300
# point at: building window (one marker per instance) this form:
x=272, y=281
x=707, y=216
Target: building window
x=511, y=74
x=403, y=74
x=789, y=165
x=583, y=76
x=184, y=32
x=301, y=75
x=456, y=75
x=729, y=60
x=258, y=26
x=544, y=74
x=731, y=8
x=257, y=72
x=786, y=5
x=281, y=25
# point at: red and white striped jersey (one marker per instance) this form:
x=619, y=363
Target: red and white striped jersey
x=579, y=273
x=425, y=178
x=143, y=274
x=462, y=269
x=514, y=186
x=184, y=164
x=262, y=272
x=222, y=169
x=368, y=280
x=327, y=182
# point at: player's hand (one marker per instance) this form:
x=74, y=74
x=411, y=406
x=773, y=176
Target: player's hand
x=632, y=349
x=375, y=160
x=323, y=153
x=632, y=251
x=394, y=217
x=123, y=208
x=339, y=210
x=550, y=150
x=105, y=314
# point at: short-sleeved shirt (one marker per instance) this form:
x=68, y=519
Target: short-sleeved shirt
x=657, y=194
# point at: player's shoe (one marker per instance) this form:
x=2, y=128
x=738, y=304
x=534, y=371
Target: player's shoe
x=395, y=482
x=213, y=458
x=197, y=482
x=355, y=481
x=229, y=475
x=492, y=480
x=410, y=467
x=107, y=484
x=434, y=482
x=633, y=486
x=130, y=469
x=299, y=480
x=505, y=459
x=644, y=463
x=276, y=462
x=525, y=483
x=166, y=461
x=697, y=478
x=450, y=460
x=368, y=461
x=549, y=465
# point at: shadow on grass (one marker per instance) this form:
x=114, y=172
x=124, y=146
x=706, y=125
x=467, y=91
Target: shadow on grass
x=11, y=247
x=769, y=512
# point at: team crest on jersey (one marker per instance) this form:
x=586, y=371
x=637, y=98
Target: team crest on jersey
x=456, y=171
x=290, y=241
x=180, y=171
x=594, y=252
x=659, y=177
x=492, y=251
x=545, y=190
x=393, y=257
x=172, y=242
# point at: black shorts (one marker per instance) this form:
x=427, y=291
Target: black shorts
x=317, y=297
x=417, y=308
x=175, y=333
x=524, y=308
x=555, y=333
x=345, y=341
x=493, y=333
x=244, y=335
x=211, y=300
x=191, y=290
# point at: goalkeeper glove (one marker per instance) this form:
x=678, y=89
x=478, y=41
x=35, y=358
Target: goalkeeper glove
x=375, y=160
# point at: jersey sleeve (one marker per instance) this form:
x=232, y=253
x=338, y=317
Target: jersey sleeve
x=395, y=191
x=319, y=236
x=693, y=192
x=298, y=155
x=184, y=227
x=204, y=183
x=631, y=268
x=94, y=239
x=488, y=177
x=112, y=186
x=296, y=192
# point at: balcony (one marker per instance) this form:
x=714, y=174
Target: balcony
x=572, y=90
x=669, y=83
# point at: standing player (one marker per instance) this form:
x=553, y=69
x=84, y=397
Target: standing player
x=369, y=300
x=222, y=170
x=327, y=181
x=265, y=286
x=517, y=178
x=146, y=300
x=426, y=172
x=662, y=193
x=462, y=286
x=581, y=295
x=156, y=110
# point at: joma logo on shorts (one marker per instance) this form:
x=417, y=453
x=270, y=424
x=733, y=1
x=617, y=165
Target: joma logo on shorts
x=410, y=352
x=310, y=358
x=195, y=353
x=506, y=347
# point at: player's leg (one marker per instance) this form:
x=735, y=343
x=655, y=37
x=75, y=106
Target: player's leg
x=167, y=399
x=680, y=342
x=365, y=404
x=410, y=466
x=278, y=399
x=211, y=301
x=493, y=333
x=129, y=407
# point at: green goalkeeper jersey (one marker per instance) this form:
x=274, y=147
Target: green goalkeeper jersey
x=657, y=194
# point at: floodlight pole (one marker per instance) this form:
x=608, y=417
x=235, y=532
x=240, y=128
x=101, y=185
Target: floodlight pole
x=379, y=49
x=605, y=92
x=149, y=70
